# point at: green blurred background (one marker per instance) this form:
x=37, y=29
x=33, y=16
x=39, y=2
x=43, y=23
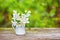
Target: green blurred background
x=44, y=13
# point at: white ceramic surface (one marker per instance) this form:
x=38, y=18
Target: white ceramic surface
x=20, y=30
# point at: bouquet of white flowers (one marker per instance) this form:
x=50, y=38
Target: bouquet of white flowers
x=19, y=21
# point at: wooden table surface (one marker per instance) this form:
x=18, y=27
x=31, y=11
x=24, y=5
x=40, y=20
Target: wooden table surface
x=41, y=34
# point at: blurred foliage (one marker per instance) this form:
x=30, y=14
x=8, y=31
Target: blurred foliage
x=42, y=11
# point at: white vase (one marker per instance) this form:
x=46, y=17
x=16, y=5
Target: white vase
x=20, y=30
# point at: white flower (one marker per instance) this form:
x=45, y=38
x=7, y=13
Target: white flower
x=25, y=11
x=17, y=17
x=29, y=12
x=23, y=18
x=27, y=21
x=14, y=23
x=14, y=11
x=23, y=15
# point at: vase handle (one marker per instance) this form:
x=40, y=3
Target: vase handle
x=14, y=27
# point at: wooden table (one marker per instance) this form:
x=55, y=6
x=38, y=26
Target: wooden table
x=37, y=34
